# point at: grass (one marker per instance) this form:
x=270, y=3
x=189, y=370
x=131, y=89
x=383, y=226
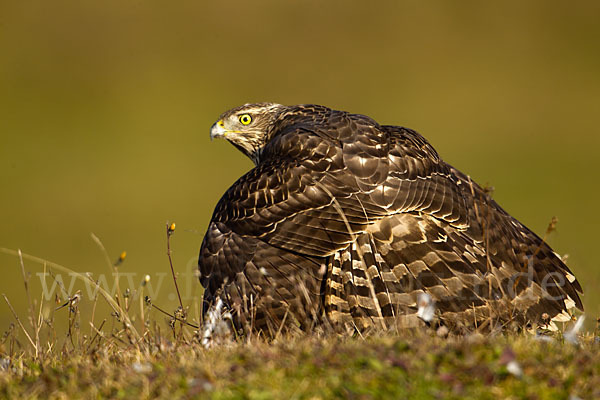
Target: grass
x=418, y=365
x=134, y=353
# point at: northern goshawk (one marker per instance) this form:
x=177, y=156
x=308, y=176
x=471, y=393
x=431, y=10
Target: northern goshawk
x=345, y=222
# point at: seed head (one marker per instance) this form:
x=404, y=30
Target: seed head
x=121, y=258
x=171, y=228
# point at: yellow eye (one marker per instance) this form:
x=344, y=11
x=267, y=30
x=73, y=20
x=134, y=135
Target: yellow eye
x=245, y=119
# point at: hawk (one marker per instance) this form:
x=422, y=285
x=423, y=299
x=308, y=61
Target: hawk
x=345, y=222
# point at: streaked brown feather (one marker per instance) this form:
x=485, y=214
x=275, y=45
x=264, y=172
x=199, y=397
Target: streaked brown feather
x=347, y=221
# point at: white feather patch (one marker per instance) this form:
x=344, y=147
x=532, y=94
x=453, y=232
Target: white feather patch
x=562, y=317
x=569, y=303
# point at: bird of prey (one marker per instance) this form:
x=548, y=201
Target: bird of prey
x=347, y=223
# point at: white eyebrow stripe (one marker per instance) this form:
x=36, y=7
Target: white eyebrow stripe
x=259, y=109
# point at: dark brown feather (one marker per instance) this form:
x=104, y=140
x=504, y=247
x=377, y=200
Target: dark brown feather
x=346, y=221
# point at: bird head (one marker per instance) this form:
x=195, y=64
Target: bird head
x=247, y=127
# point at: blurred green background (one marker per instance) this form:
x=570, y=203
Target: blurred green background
x=105, y=109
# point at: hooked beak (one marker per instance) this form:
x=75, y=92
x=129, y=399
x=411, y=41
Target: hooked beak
x=218, y=130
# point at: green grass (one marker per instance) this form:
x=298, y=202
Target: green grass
x=416, y=365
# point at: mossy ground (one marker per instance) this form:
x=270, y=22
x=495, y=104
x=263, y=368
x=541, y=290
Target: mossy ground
x=415, y=365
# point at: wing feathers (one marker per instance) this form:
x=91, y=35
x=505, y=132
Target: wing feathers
x=352, y=220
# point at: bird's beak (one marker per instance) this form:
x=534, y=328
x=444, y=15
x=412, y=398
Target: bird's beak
x=218, y=130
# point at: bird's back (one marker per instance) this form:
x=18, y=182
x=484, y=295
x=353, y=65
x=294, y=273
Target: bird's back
x=452, y=241
x=349, y=222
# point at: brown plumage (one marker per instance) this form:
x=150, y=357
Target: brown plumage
x=344, y=222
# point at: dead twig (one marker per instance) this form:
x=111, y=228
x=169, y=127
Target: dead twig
x=20, y=323
x=170, y=230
